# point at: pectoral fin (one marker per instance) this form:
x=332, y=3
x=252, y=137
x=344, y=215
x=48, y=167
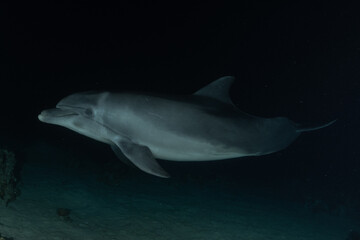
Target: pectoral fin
x=141, y=157
x=120, y=156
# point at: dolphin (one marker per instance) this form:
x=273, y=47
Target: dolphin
x=144, y=127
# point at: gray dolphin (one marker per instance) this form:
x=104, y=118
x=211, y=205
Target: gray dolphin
x=200, y=127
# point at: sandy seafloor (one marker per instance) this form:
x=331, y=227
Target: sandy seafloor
x=143, y=207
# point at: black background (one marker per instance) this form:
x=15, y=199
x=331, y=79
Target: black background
x=290, y=59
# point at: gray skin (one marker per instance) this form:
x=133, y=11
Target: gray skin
x=200, y=127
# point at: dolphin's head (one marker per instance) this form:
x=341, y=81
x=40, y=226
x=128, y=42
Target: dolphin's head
x=83, y=103
x=61, y=117
x=77, y=112
x=75, y=122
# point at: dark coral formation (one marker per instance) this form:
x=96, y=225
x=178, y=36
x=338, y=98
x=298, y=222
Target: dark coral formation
x=8, y=180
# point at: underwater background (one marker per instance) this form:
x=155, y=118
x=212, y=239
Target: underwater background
x=289, y=59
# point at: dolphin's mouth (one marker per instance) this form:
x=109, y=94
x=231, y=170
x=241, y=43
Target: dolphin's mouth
x=52, y=113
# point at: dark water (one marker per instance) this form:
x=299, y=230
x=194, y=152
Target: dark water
x=290, y=59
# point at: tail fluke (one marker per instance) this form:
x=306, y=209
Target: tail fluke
x=301, y=128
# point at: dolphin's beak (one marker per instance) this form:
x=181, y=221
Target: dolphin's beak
x=47, y=114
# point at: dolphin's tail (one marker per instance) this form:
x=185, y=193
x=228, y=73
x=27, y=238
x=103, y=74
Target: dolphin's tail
x=301, y=128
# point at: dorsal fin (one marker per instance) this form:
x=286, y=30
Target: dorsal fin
x=218, y=89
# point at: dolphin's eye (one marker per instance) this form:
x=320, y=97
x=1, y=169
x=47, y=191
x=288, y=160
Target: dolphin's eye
x=88, y=112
